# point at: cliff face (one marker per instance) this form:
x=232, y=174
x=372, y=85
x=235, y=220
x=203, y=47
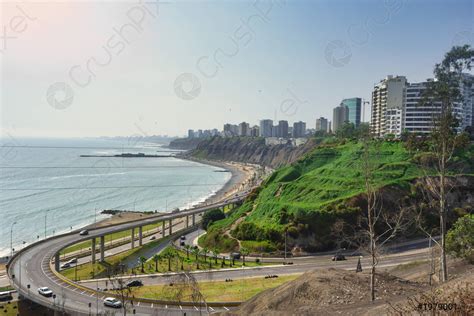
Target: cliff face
x=251, y=150
x=185, y=143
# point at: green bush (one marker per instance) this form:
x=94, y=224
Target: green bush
x=460, y=238
x=210, y=217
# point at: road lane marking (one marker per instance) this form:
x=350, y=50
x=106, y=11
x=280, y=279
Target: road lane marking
x=226, y=308
x=138, y=304
x=151, y=305
x=180, y=307
x=212, y=309
x=196, y=308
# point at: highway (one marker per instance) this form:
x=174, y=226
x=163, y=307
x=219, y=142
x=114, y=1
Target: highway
x=32, y=266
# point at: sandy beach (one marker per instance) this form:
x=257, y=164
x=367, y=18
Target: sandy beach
x=241, y=179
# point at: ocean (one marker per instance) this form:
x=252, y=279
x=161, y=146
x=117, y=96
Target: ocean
x=46, y=185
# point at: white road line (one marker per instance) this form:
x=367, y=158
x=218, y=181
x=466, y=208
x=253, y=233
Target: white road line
x=138, y=304
x=226, y=308
x=92, y=294
x=196, y=308
x=83, y=292
x=212, y=309
x=151, y=305
x=166, y=306
x=180, y=307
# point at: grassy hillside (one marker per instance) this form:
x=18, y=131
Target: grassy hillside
x=313, y=192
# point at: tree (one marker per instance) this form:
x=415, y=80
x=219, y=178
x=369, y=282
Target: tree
x=156, y=259
x=169, y=254
x=204, y=252
x=376, y=223
x=142, y=262
x=244, y=252
x=188, y=248
x=444, y=138
x=215, y=253
x=211, y=216
x=460, y=238
x=196, y=254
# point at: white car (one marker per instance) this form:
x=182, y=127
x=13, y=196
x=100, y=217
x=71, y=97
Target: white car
x=45, y=291
x=112, y=302
x=65, y=265
x=72, y=261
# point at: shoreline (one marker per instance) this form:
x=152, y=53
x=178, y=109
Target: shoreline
x=240, y=175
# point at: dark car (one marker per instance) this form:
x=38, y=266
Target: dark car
x=235, y=255
x=134, y=283
x=182, y=243
x=338, y=257
x=6, y=296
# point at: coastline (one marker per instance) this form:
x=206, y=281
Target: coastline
x=241, y=175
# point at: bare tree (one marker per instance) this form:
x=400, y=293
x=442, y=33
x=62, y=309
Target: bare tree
x=119, y=284
x=376, y=224
x=445, y=138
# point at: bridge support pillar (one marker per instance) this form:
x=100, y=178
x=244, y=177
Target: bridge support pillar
x=194, y=219
x=102, y=248
x=140, y=235
x=56, y=261
x=171, y=226
x=163, y=231
x=133, y=238
x=187, y=221
x=93, y=250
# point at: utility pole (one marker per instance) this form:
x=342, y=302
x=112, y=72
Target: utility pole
x=285, y=243
x=11, y=237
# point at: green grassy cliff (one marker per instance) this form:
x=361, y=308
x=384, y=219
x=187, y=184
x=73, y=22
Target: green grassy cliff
x=309, y=195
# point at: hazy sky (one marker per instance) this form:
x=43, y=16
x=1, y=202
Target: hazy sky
x=72, y=68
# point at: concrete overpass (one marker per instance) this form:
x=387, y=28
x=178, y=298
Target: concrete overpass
x=37, y=265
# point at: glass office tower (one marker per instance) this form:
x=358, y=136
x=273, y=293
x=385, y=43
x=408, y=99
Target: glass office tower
x=355, y=106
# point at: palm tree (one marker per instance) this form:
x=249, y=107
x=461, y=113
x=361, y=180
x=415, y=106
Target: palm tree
x=205, y=251
x=142, y=262
x=215, y=253
x=244, y=252
x=196, y=253
x=188, y=248
x=169, y=255
x=157, y=259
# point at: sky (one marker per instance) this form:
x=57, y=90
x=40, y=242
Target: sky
x=110, y=68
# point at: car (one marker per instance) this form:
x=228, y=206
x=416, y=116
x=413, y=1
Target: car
x=45, y=291
x=338, y=257
x=235, y=255
x=183, y=237
x=6, y=296
x=72, y=261
x=112, y=302
x=65, y=265
x=134, y=283
x=182, y=243
x=153, y=238
x=84, y=232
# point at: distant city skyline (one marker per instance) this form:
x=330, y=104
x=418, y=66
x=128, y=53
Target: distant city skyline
x=88, y=69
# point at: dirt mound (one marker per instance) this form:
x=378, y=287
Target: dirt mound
x=326, y=292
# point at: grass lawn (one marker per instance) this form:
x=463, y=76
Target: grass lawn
x=86, y=245
x=216, y=291
x=6, y=288
x=9, y=308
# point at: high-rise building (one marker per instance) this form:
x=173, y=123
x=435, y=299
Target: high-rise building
x=231, y=130
x=388, y=98
x=244, y=129
x=299, y=129
x=340, y=116
x=255, y=131
x=190, y=133
x=266, y=127
x=419, y=116
x=354, y=105
x=329, y=130
x=283, y=129
x=322, y=124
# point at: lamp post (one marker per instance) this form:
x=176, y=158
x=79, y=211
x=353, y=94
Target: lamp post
x=11, y=237
x=45, y=221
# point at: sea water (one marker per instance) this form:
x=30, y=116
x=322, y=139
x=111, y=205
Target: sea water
x=46, y=187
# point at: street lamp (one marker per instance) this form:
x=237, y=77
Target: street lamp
x=45, y=219
x=11, y=237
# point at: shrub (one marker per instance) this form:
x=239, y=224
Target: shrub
x=211, y=216
x=460, y=238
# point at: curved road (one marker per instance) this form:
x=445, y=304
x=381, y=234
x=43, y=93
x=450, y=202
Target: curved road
x=32, y=267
